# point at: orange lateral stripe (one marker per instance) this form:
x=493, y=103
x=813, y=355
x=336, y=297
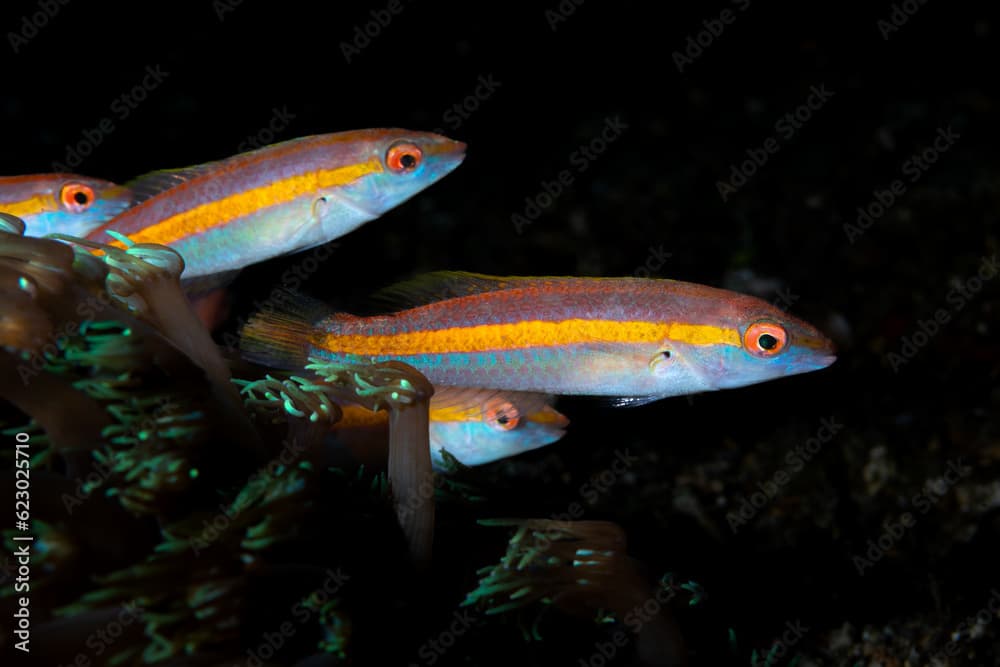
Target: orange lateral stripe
x=31, y=206
x=214, y=214
x=355, y=416
x=533, y=333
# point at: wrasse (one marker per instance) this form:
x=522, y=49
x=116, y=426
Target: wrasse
x=474, y=426
x=225, y=215
x=631, y=338
x=63, y=203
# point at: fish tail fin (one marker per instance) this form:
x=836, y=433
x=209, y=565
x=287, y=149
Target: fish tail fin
x=279, y=335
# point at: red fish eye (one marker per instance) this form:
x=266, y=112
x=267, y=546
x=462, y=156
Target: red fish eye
x=502, y=415
x=403, y=157
x=76, y=197
x=765, y=339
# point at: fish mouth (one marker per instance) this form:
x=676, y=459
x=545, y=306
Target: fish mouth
x=446, y=146
x=820, y=350
x=449, y=151
x=824, y=360
x=549, y=416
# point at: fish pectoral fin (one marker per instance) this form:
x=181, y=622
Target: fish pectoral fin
x=309, y=246
x=304, y=236
x=632, y=401
x=294, y=241
x=149, y=185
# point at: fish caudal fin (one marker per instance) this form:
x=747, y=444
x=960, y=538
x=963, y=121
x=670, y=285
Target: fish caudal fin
x=279, y=336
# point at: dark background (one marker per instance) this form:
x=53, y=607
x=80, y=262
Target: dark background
x=654, y=187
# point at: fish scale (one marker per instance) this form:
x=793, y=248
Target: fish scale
x=633, y=338
x=223, y=216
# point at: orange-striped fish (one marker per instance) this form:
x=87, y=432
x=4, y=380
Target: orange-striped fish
x=63, y=203
x=474, y=426
x=225, y=215
x=631, y=338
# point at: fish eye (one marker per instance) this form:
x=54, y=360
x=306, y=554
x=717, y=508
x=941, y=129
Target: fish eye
x=502, y=416
x=765, y=339
x=403, y=157
x=76, y=197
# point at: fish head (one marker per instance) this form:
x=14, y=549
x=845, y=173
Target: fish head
x=84, y=202
x=501, y=426
x=71, y=204
x=733, y=340
x=390, y=166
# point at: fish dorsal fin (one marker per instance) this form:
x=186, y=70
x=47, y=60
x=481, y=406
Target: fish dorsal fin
x=440, y=285
x=149, y=185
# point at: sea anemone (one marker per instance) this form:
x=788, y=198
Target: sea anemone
x=582, y=568
x=392, y=386
x=130, y=409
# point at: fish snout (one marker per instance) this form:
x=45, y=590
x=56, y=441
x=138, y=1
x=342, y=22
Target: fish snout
x=449, y=153
x=818, y=350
